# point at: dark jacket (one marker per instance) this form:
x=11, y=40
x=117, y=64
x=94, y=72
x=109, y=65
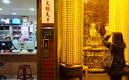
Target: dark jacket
x=118, y=63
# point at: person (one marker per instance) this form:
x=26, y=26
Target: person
x=9, y=38
x=117, y=49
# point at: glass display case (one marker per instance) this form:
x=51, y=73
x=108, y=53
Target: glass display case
x=94, y=30
x=94, y=51
x=26, y=32
x=15, y=32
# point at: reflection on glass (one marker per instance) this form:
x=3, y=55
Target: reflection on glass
x=96, y=11
x=95, y=28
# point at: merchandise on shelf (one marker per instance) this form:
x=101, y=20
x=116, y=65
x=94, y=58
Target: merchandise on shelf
x=15, y=32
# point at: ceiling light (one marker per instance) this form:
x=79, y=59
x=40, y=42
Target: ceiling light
x=6, y=1
x=14, y=13
x=1, y=9
x=31, y=9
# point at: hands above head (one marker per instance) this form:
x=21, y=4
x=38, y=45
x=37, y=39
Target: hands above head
x=112, y=33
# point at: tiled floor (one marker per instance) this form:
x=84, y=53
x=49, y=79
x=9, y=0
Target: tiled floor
x=99, y=76
x=15, y=78
x=91, y=76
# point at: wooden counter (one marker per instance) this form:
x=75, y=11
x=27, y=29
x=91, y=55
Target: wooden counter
x=12, y=61
x=17, y=53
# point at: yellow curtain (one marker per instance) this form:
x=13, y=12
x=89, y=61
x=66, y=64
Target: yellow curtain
x=119, y=20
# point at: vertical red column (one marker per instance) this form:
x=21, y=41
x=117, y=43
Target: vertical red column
x=48, y=66
x=47, y=40
x=48, y=53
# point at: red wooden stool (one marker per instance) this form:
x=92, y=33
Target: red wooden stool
x=24, y=75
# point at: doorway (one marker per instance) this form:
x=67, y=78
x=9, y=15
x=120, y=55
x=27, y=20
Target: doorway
x=18, y=23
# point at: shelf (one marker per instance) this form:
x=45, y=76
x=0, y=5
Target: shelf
x=94, y=49
x=4, y=30
x=17, y=36
x=4, y=25
x=16, y=31
x=4, y=40
x=96, y=70
x=16, y=25
x=34, y=52
x=95, y=56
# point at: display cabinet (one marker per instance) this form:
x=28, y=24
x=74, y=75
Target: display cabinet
x=26, y=32
x=16, y=32
x=94, y=51
x=4, y=30
x=96, y=27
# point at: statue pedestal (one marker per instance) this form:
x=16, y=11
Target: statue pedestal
x=70, y=72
